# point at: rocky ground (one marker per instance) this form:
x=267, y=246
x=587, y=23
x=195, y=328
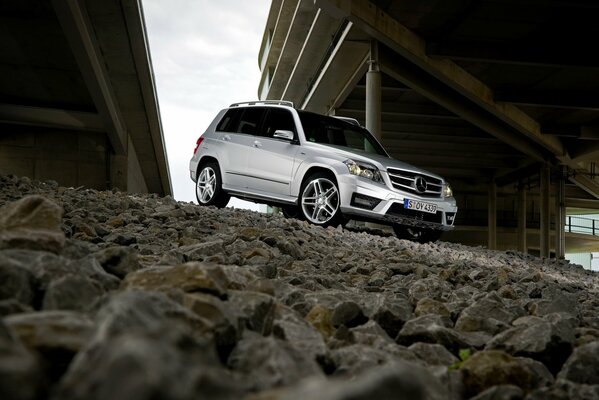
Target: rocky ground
x=105, y=295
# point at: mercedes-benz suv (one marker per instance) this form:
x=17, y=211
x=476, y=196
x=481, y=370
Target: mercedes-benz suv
x=326, y=170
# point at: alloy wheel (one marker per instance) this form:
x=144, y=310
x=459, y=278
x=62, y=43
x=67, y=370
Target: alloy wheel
x=320, y=201
x=206, y=185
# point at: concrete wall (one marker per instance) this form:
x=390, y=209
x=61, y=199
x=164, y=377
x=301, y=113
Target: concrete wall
x=71, y=158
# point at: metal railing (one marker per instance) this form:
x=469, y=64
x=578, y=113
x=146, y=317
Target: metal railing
x=587, y=226
x=574, y=224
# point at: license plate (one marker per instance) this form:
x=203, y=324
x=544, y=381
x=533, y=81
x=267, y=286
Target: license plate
x=420, y=206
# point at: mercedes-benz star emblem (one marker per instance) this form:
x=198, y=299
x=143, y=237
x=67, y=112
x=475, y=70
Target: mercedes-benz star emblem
x=420, y=184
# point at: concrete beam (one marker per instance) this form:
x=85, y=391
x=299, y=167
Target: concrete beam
x=381, y=26
x=51, y=118
x=530, y=54
x=405, y=72
x=81, y=37
x=550, y=99
x=140, y=49
x=589, y=185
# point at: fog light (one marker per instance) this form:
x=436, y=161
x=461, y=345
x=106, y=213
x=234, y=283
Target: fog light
x=363, y=201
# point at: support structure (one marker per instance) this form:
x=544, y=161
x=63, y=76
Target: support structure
x=560, y=216
x=545, y=223
x=492, y=216
x=522, y=219
x=373, y=93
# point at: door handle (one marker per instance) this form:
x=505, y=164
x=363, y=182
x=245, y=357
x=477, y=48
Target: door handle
x=227, y=138
x=257, y=143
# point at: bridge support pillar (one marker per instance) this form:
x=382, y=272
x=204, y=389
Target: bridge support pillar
x=373, y=93
x=522, y=219
x=560, y=216
x=545, y=223
x=492, y=215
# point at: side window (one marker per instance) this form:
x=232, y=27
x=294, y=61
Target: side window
x=250, y=120
x=229, y=121
x=277, y=118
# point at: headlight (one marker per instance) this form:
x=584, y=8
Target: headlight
x=364, y=170
x=447, y=192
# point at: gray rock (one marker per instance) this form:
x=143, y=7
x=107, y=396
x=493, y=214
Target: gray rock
x=71, y=292
x=391, y=381
x=548, y=340
x=349, y=314
x=354, y=359
x=489, y=368
x=135, y=365
x=32, y=222
x=56, y=336
x=20, y=375
x=118, y=260
x=188, y=277
x=489, y=314
x=565, y=390
x=500, y=392
x=269, y=362
x=431, y=328
x=290, y=326
x=433, y=354
x=583, y=365
x=17, y=282
x=253, y=310
x=13, y=306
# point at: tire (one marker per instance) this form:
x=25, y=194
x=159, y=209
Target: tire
x=420, y=235
x=292, y=212
x=319, y=201
x=209, y=191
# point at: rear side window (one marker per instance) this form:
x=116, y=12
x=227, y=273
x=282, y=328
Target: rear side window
x=277, y=119
x=229, y=121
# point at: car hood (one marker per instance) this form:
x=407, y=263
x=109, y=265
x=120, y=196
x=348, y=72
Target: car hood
x=381, y=162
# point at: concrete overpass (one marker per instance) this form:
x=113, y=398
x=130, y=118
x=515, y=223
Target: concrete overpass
x=77, y=97
x=498, y=97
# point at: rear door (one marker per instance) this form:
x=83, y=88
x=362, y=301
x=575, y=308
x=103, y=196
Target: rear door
x=236, y=131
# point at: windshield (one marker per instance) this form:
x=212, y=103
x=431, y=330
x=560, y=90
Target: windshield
x=338, y=133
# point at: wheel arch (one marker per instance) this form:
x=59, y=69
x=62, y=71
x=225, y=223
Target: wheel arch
x=313, y=170
x=205, y=160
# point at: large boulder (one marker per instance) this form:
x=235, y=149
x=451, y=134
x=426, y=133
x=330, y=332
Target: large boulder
x=33, y=223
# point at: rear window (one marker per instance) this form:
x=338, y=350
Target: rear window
x=229, y=121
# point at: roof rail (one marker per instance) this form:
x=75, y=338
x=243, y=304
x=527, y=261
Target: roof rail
x=352, y=121
x=251, y=103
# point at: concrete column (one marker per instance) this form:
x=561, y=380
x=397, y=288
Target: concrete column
x=545, y=222
x=560, y=216
x=492, y=215
x=373, y=93
x=522, y=219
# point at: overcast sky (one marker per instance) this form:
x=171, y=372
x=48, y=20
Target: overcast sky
x=205, y=57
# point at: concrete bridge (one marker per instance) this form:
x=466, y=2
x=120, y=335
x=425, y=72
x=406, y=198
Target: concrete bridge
x=498, y=97
x=77, y=96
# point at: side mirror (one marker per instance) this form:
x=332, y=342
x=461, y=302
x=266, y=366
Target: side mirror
x=283, y=134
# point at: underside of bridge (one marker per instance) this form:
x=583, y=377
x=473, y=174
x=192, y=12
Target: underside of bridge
x=77, y=96
x=498, y=97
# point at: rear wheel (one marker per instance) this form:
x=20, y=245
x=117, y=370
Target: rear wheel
x=320, y=200
x=421, y=235
x=209, y=191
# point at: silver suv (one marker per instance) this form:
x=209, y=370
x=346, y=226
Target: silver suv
x=326, y=170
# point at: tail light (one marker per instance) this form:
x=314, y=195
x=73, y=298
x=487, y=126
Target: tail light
x=198, y=143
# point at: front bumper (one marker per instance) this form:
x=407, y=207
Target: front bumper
x=388, y=205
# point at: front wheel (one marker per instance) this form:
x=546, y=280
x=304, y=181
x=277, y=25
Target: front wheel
x=420, y=235
x=320, y=200
x=209, y=191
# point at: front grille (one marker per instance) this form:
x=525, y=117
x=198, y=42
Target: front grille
x=397, y=209
x=406, y=182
